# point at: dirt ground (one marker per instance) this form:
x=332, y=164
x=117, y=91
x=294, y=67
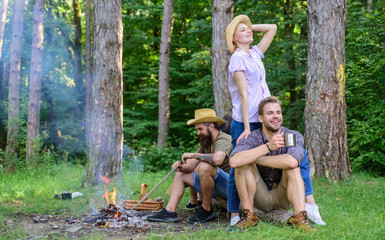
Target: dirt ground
x=62, y=226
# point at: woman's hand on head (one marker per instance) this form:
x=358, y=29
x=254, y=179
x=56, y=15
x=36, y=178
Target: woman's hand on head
x=245, y=134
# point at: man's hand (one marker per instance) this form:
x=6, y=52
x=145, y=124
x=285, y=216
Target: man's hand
x=276, y=141
x=186, y=156
x=178, y=165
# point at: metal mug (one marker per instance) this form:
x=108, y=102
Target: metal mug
x=290, y=140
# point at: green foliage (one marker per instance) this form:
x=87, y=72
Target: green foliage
x=365, y=54
x=190, y=68
x=155, y=159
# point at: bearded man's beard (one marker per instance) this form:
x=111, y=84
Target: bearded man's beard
x=205, y=140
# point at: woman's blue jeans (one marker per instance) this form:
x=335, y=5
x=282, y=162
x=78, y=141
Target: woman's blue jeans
x=233, y=200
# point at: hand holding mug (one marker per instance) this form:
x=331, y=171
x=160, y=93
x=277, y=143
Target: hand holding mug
x=276, y=142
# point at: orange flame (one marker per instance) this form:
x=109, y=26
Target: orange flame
x=109, y=196
x=106, y=180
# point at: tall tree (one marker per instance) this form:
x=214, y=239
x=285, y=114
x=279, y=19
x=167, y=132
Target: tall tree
x=325, y=111
x=3, y=83
x=78, y=69
x=222, y=13
x=3, y=14
x=78, y=44
x=105, y=148
x=164, y=73
x=35, y=81
x=367, y=4
x=88, y=68
x=289, y=8
x=14, y=82
x=78, y=66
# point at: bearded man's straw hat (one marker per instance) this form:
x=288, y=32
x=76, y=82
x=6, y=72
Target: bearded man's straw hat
x=230, y=29
x=205, y=115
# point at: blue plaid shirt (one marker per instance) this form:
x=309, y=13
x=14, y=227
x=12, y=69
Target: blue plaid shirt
x=257, y=138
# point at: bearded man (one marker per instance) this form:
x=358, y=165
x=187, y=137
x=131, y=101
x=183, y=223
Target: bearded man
x=211, y=164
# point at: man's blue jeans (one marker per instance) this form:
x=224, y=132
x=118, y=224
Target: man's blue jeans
x=233, y=200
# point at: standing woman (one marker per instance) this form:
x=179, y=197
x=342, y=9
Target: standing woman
x=247, y=86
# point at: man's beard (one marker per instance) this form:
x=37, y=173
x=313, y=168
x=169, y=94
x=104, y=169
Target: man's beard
x=270, y=128
x=205, y=140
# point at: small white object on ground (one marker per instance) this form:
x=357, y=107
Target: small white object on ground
x=76, y=194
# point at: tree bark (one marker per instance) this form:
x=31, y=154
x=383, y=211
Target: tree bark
x=368, y=3
x=164, y=73
x=78, y=70
x=222, y=13
x=325, y=111
x=78, y=45
x=88, y=69
x=289, y=8
x=105, y=150
x=14, y=82
x=3, y=83
x=3, y=14
x=35, y=81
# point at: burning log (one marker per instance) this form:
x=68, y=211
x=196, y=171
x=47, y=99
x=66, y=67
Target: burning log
x=111, y=210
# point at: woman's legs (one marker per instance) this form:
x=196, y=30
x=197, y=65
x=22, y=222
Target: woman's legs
x=233, y=200
x=305, y=172
x=310, y=205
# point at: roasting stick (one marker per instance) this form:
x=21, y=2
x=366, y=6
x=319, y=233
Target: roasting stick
x=152, y=190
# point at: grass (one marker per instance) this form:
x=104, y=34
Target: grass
x=353, y=208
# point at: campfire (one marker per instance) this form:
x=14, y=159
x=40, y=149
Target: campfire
x=114, y=216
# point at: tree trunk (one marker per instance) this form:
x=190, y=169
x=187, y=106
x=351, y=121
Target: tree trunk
x=3, y=14
x=78, y=70
x=105, y=150
x=14, y=82
x=325, y=111
x=35, y=81
x=289, y=28
x=164, y=73
x=78, y=46
x=88, y=69
x=3, y=82
x=368, y=3
x=222, y=13
x=2, y=74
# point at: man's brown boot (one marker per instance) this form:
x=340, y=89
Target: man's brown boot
x=301, y=222
x=249, y=219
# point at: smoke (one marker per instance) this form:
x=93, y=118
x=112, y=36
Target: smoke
x=123, y=184
x=62, y=101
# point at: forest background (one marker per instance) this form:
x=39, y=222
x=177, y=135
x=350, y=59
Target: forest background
x=62, y=128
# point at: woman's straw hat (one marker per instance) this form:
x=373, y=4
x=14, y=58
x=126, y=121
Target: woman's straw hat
x=230, y=29
x=205, y=115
